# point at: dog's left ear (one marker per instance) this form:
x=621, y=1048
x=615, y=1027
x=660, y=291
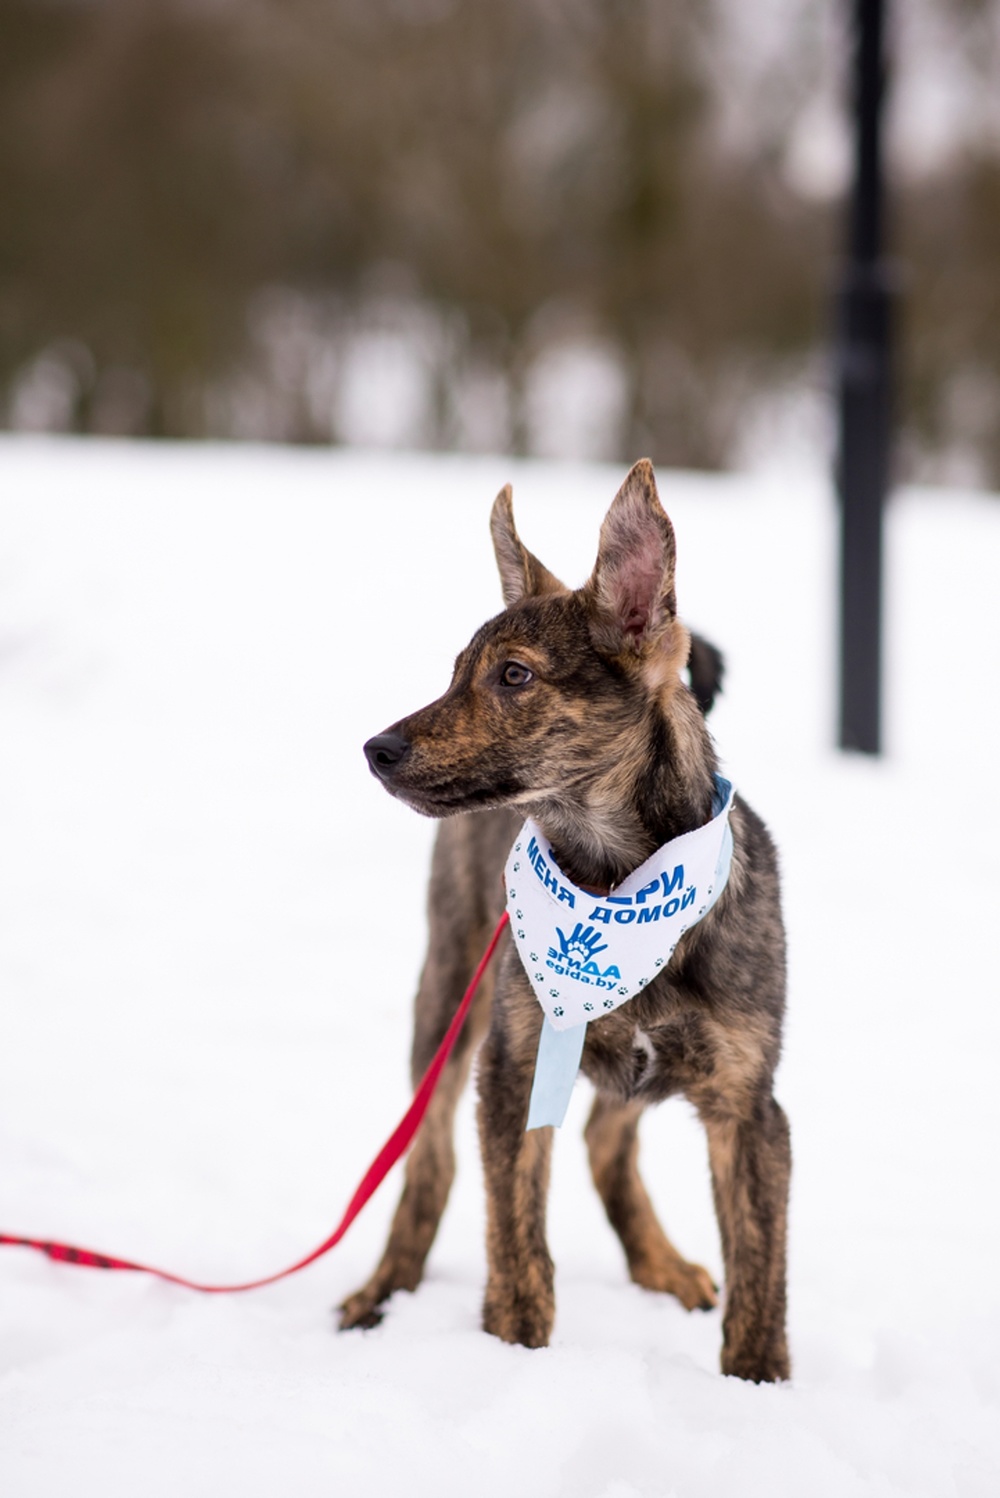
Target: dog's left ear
x=521, y=574
x=631, y=589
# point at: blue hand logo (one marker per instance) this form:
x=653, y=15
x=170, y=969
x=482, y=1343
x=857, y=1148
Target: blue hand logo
x=583, y=942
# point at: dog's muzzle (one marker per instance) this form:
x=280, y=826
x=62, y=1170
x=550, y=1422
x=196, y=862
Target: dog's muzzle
x=385, y=753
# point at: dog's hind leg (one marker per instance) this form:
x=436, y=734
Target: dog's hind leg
x=430, y=1165
x=612, y=1136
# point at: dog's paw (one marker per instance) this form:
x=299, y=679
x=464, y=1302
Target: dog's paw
x=363, y=1309
x=518, y=1318
x=523, y=1329
x=697, y=1290
x=770, y=1365
x=692, y=1285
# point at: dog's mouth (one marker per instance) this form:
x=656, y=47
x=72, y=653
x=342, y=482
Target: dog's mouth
x=450, y=800
x=421, y=782
x=437, y=792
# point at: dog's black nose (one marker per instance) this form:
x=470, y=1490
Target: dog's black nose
x=385, y=752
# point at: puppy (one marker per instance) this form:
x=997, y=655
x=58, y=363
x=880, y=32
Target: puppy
x=569, y=708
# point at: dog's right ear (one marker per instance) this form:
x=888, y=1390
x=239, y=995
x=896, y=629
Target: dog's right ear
x=521, y=574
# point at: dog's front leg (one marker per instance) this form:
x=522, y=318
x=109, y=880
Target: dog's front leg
x=751, y=1164
x=519, y=1304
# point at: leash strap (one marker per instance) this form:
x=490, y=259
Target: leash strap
x=395, y=1146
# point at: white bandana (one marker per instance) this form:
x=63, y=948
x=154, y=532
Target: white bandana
x=586, y=955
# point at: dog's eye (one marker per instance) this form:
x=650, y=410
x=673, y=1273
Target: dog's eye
x=513, y=674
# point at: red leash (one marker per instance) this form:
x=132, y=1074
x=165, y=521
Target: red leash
x=376, y=1173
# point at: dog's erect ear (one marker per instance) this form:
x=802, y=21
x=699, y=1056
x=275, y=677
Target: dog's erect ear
x=632, y=586
x=521, y=574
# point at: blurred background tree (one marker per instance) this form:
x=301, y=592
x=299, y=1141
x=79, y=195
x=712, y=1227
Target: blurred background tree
x=591, y=227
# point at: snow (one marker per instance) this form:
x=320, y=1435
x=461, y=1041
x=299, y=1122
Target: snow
x=194, y=643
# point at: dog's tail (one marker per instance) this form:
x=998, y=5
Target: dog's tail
x=706, y=668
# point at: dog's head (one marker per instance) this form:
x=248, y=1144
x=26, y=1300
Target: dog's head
x=554, y=700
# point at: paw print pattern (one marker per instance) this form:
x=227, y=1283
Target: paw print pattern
x=659, y=961
x=521, y=935
x=702, y=910
x=533, y=956
x=588, y=1006
x=609, y=1003
x=517, y=847
x=517, y=868
x=539, y=977
x=558, y=1010
x=519, y=913
x=513, y=894
x=623, y=991
x=553, y=993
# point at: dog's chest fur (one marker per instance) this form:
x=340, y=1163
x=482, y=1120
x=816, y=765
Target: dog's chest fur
x=668, y=1042
x=653, y=1061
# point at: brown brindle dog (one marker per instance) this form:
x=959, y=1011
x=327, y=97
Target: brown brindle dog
x=571, y=707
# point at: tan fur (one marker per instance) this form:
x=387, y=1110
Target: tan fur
x=612, y=1136
x=662, y=670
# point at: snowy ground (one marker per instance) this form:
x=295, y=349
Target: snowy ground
x=193, y=645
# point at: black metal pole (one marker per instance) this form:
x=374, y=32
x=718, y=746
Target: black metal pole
x=864, y=397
